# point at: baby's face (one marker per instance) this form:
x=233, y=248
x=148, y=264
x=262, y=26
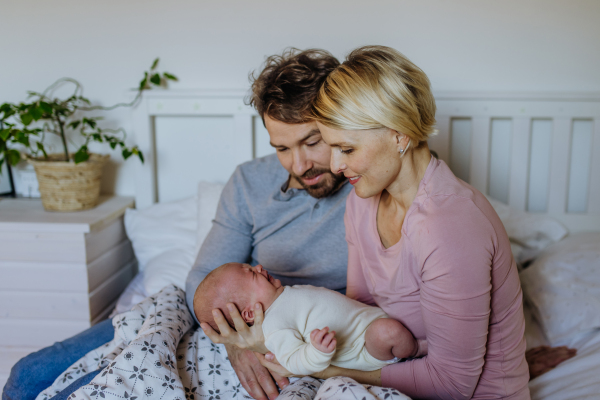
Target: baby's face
x=256, y=282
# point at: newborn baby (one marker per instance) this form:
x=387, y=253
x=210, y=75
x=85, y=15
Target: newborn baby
x=306, y=327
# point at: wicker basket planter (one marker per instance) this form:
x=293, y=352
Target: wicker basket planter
x=66, y=186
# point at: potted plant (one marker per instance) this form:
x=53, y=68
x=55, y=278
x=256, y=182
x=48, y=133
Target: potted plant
x=69, y=180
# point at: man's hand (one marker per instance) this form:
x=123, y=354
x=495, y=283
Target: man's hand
x=256, y=379
x=270, y=361
x=243, y=336
x=544, y=358
x=323, y=340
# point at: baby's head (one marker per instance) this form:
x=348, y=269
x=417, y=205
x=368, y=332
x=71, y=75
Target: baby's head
x=240, y=284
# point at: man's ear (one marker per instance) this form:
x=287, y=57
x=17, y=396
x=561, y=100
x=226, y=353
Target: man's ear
x=248, y=314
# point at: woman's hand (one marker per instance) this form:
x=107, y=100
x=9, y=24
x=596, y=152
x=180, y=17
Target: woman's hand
x=243, y=336
x=365, y=377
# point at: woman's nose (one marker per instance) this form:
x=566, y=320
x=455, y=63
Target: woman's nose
x=335, y=164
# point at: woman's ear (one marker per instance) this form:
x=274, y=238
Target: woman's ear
x=402, y=142
x=248, y=314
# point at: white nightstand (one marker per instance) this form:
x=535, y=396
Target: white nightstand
x=60, y=273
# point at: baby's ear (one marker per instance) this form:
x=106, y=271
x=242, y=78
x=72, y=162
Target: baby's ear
x=248, y=314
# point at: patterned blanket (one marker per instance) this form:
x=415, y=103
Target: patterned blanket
x=157, y=355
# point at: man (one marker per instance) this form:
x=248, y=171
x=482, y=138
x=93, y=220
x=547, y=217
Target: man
x=283, y=211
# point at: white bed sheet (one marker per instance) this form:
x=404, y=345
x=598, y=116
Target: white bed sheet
x=577, y=378
x=133, y=294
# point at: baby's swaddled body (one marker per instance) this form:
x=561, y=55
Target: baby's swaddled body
x=301, y=309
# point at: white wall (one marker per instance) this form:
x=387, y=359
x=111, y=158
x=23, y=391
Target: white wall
x=480, y=45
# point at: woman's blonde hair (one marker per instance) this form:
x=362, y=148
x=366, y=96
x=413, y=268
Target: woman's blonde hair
x=377, y=87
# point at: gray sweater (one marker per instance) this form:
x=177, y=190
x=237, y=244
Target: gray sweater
x=297, y=238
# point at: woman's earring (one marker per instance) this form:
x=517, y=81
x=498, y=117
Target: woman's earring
x=402, y=151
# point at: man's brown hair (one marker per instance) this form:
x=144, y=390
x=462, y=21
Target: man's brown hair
x=289, y=83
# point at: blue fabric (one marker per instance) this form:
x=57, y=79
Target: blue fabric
x=37, y=371
x=84, y=380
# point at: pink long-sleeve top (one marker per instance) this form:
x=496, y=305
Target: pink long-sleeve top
x=451, y=279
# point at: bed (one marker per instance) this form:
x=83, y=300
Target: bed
x=536, y=156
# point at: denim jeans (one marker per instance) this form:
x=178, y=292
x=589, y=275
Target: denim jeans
x=37, y=371
x=84, y=380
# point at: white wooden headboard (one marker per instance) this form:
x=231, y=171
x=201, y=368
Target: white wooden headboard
x=536, y=152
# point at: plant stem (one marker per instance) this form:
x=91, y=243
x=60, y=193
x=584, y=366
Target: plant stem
x=62, y=136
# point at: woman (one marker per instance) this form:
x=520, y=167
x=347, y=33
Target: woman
x=423, y=245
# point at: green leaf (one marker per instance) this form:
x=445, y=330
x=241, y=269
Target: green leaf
x=40, y=147
x=144, y=81
x=47, y=108
x=36, y=112
x=8, y=113
x=170, y=77
x=137, y=152
x=22, y=138
x=155, y=79
x=91, y=122
x=126, y=153
x=26, y=118
x=154, y=64
x=112, y=141
x=4, y=134
x=74, y=124
x=81, y=155
x=5, y=107
x=13, y=157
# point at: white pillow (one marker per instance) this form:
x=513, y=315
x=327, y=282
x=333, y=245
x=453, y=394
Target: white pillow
x=563, y=286
x=208, y=200
x=529, y=233
x=164, y=240
x=166, y=237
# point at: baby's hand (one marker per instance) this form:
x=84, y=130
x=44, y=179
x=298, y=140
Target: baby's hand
x=323, y=340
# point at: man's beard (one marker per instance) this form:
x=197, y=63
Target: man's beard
x=328, y=183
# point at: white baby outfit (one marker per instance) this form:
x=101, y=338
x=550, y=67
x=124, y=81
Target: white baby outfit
x=299, y=310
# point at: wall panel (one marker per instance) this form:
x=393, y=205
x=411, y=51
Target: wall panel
x=580, y=164
x=539, y=165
